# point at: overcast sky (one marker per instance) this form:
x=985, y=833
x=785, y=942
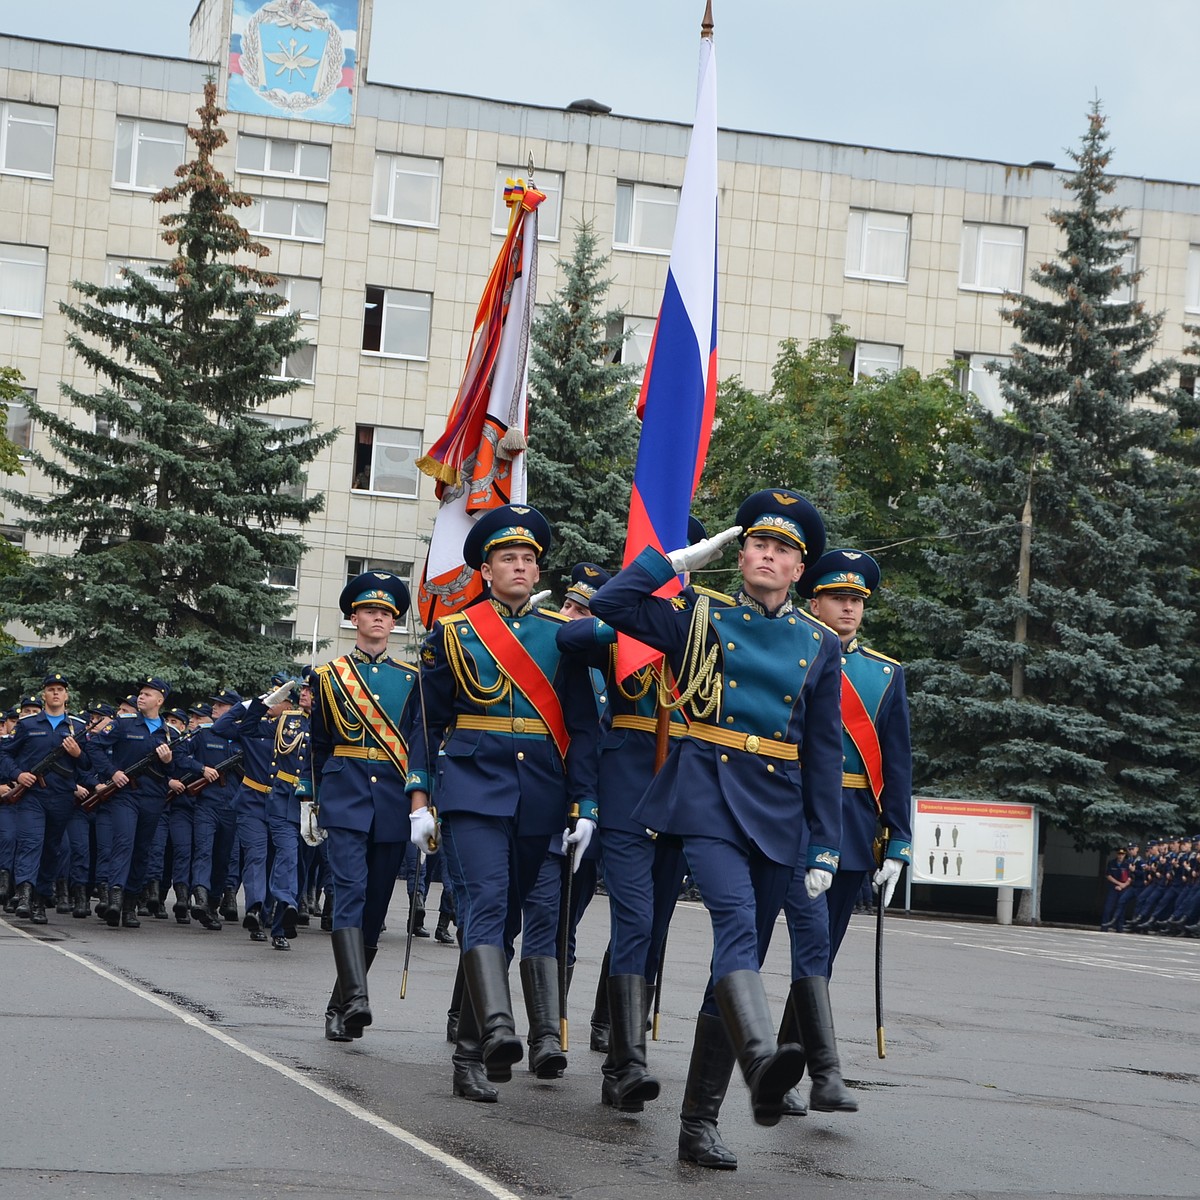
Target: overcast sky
x=1007, y=79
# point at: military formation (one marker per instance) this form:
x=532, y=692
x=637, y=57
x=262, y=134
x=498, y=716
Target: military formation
x=1155, y=892
x=752, y=746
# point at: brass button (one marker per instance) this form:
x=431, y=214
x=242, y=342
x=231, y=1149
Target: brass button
x=374, y=670
x=730, y=646
x=733, y=683
x=520, y=755
x=516, y=624
x=728, y=720
x=791, y=620
x=603, y=698
x=787, y=699
x=777, y=734
x=816, y=636
x=843, y=660
x=518, y=724
x=886, y=670
x=771, y=768
x=724, y=757
x=752, y=743
x=745, y=616
x=374, y=780
x=804, y=662
x=716, y=616
x=374, y=695
x=407, y=677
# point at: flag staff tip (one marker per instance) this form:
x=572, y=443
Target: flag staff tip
x=706, y=26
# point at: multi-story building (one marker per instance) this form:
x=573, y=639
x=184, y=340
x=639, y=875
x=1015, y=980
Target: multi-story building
x=383, y=231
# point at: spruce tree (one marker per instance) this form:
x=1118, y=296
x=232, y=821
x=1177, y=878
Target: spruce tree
x=11, y=557
x=174, y=503
x=1064, y=690
x=583, y=433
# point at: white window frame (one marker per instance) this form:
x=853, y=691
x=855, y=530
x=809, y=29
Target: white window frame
x=396, y=300
x=402, y=570
x=293, y=366
x=280, y=421
x=1127, y=292
x=388, y=169
x=23, y=447
x=550, y=183
x=283, y=586
x=14, y=112
x=114, y=276
x=867, y=234
x=256, y=217
x=271, y=144
x=394, y=436
x=275, y=631
x=146, y=131
x=293, y=288
x=977, y=237
x=988, y=394
x=633, y=197
x=14, y=535
x=636, y=335
x=18, y=257
x=867, y=353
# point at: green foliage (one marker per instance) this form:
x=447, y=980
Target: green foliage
x=864, y=451
x=174, y=494
x=1086, y=714
x=582, y=430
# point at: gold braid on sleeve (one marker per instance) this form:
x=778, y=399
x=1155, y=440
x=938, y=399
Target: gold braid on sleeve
x=485, y=695
x=702, y=689
x=283, y=744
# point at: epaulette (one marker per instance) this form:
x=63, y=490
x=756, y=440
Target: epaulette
x=323, y=669
x=879, y=654
x=26, y=716
x=452, y=618
x=818, y=622
x=712, y=594
x=551, y=615
x=127, y=716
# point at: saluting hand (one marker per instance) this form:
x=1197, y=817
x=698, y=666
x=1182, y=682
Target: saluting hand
x=692, y=558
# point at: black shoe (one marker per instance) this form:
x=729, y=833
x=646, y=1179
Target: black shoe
x=228, y=906
x=335, y=1031
x=259, y=935
x=709, y=1070
x=251, y=921
x=327, y=913
x=200, y=909
x=302, y=917
x=289, y=922
x=280, y=943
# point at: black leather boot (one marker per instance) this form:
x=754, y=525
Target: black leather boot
x=228, y=905
x=417, y=902
x=539, y=983
x=768, y=1068
x=708, y=1076
x=335, y=1028
x=815, y=1017
x=79, y=901
x=129, y=913
x=327, y=912
x=182, y=907
x=62, y=897
x=442, y=932
x=302, y=908
x=112, y=911
x=486, y=971
x=599, y=1038
x=351, y=958
x=456, y=1002
x=6, y=885
x=102, y=890
x=37, y=908
x=201, y=909
x=252, y=922
x=627, y=1083
x=789, y=1031
x=470, y=1078
x=24, y=901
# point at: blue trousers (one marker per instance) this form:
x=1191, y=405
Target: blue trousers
x=283, y=822
x=42, y=817
x=79, y=840
x=541, y=914
x=181, y=820
x=642, y=876
x=157, y=857
x=8, y=836
x=364, y=876
x=251, y=810
x=134, y=821
x=214, y=839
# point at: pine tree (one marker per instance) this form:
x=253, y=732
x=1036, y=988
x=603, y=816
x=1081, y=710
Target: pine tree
x=582, y=430
x=1064, y=690
x=175, y=504
x=11, y=557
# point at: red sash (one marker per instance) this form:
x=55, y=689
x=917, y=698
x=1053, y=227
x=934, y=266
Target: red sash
x=858, y=724
x=521, y=667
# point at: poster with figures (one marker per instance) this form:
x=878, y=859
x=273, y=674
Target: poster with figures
x=294, y=59
x=973, y=843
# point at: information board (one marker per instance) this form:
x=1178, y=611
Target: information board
x=973, y=843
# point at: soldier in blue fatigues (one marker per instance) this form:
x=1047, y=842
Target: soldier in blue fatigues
x=521, y=742
x=1117, y=893
x=137, y=806
x=876, y=787
x=762, y=759
x=291, y=764
x=45, y=810
x=365, y=708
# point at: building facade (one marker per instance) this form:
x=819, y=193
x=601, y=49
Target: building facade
x=383, y=232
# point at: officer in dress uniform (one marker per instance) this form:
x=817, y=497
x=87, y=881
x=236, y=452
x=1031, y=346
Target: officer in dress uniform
x=761, y=760
x=876, y=786
x=365, y=709
x=137, y=806
x=521, y=742
x=45, y=810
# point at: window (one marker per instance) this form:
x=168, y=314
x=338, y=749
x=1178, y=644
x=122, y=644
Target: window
x=993, y=258
x=407, y=189
x=635, y=334
x=385, y=460
x=294, y=490
x=283, y=577
x=147, y=153
x=281, y=631
x=645, y=218
x=116, y=273
x=276, y=156
x=549, y=211
x=22, y=280
x=294, y=220
x=979, y=381
x=402, y=570
x=19, y=426
x=1126, y=291
x=13, y=535
x=302, y=296
x=27, y=139
x=877, y=245
x=396, y=322
x=300, y=365
x=871, y=358
x=1192, y=299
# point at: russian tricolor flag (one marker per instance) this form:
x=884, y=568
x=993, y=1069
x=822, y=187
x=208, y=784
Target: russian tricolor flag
x=679, y=389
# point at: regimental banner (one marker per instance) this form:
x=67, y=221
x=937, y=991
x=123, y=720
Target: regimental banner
x=294, y=59
x=973, y=843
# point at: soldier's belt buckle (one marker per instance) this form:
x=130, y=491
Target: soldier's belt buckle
x=752, y=743
x=373, y=753
x=518, y=725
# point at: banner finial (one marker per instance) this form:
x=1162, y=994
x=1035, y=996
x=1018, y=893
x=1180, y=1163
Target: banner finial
x=706, y=25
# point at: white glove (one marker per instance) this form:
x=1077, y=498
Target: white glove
x=692, y=558
x=279, y=695
x=816, y=881
x=540, y=597
x=423, y=833
x=310, y=830
x=581, y=838
x=887, y=877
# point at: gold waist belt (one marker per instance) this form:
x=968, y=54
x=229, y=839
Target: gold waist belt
x=750, y=742
x=292, y=779
x=372, y=753
x=647, y=724
x=854, y=781
x=502, y=724
x=254, y=785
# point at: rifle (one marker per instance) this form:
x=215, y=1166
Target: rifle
x=39, y=769
x=196, y=786
x=133, y=771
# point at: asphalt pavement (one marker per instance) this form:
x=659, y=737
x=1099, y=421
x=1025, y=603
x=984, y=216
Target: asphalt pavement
x=1020, y=1063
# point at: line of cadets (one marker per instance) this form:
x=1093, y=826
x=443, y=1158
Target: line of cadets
x=522, y=750
x=1155, y=892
